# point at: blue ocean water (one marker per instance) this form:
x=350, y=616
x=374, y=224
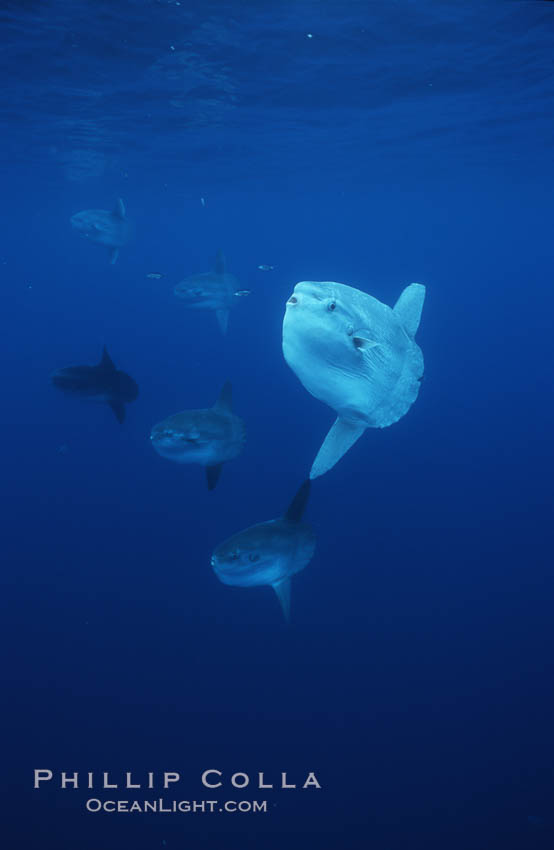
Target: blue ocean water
x=370, y=143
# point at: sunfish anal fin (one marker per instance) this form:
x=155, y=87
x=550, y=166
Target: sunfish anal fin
x=225, y=401
x=212, y=475
x=118, y=408
x=282, y=589
x=114, y=254
x=409, y=306
x=341, y=437
x=223, y=319
x=119, y=210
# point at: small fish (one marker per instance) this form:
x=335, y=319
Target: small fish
x=240, y=293
x=155, y=276
x=266, y=268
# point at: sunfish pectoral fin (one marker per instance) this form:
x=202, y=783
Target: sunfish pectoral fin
x=118, y=408
x=212, y=475
x=409, y=306
x=364, y=343
x=225, y=401
x=282, y=589
x=114, y=254
x=119, y=210
x=341, y=437
x=223, y=319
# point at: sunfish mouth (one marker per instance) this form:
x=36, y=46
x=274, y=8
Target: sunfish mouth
x=292, y=300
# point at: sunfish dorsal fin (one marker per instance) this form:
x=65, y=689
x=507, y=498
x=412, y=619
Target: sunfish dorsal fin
x=225, y=400
x=341, y=437
x=106, y=362
x=119, y=210
x=409, y=306
x=223, y=319
x=219, y=266
x=282, y=590
x=297, y=507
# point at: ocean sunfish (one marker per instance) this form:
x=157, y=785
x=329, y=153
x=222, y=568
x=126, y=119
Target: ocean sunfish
x=111, y=229
x=216, y=290
x=355, y=354
x=99, y=383
x=210, y=436
x=269, y=553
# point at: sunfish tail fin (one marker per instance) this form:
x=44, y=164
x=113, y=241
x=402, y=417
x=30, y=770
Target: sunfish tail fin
x=219, y=265
x=341, y=437
x=282, y=590
x=225, y=401
x=297, y=507
x=212, y=475
x=409, y=306
x=223, y=319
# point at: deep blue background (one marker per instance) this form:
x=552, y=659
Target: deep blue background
x=403, y=142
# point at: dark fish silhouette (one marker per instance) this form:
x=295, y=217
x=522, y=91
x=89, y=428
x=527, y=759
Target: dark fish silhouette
x=99, y=383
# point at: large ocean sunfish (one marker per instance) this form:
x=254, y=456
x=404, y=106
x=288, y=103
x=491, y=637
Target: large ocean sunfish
x=214, y=290
x=209, y=436
x=355, y=354
x=269, y=553
x=102, y=382
x=103, y=227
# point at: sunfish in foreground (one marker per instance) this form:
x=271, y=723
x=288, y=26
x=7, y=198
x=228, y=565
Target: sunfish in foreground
x=216, y=290
x=269, y=553
x=99, y=383
x=209, y=437
x=111, y=229
x=355, y=354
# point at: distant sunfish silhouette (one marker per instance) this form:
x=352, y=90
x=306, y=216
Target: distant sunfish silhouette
x=111, y=229
x=355, y=354
x=216, y=290
x=210, y=436
x=99, y=383
x=269, y=553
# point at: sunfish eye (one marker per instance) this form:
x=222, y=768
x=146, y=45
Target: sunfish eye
x=253, y=557
x=331, y=305
x=233, y=556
